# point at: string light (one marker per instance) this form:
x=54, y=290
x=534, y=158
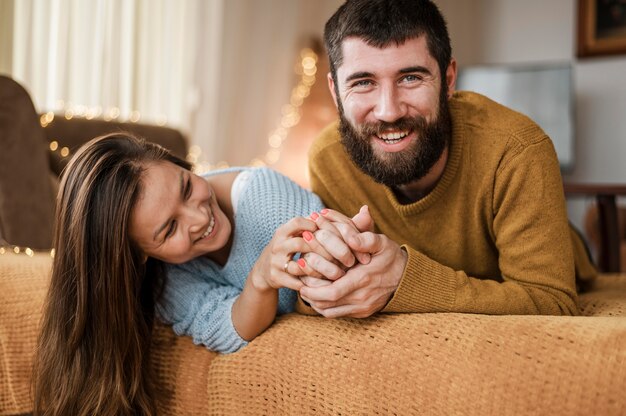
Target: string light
x=8, y=249
x=290, y=117
x=134, y=116
x=88, y=113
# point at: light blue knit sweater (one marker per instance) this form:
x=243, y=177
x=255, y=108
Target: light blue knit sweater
x=199, y=295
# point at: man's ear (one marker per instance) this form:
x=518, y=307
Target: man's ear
x=451, y=74
x=331, y=87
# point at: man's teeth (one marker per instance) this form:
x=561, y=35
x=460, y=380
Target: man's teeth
x=208, y=230
x=392, y=138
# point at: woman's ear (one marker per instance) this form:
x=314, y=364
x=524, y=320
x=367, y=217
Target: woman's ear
x=144, y=258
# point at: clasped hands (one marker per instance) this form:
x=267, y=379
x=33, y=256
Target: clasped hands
x=345, y=269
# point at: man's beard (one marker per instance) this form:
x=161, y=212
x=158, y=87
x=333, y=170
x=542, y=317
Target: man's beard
x=398, y=168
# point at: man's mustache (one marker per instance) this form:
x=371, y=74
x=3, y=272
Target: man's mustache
x=417, y=123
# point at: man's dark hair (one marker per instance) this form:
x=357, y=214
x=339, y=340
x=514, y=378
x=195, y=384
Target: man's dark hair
x=382, y=22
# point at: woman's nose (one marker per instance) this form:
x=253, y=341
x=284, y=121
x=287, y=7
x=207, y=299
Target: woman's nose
x=198, y=218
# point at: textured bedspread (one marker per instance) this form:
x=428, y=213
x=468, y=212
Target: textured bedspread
x=431, y=364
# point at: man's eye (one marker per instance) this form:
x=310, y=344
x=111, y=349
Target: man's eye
x=411, y=78
x=361, y=83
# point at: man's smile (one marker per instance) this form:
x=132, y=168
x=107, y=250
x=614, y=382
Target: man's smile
x=394, y=141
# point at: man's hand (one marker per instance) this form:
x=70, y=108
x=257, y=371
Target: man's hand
x=330, y=253
x=332, y=222
x=365, y=288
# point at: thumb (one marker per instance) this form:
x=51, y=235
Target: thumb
x=366, y=242
x=363, y=220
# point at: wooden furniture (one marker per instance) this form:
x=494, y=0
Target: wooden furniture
x=606, y=199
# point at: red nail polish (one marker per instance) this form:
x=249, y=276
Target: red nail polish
x=324, y=211
x=307, y=235
x=314, y=216
x=301, y=263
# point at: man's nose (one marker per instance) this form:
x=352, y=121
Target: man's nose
x=390, y=106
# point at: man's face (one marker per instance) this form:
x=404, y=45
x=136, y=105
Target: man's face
x=394, y=118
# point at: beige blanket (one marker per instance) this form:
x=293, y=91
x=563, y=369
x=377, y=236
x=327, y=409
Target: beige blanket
x=427, y=364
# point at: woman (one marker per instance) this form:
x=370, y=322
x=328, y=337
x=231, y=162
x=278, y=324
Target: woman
x=137, y=232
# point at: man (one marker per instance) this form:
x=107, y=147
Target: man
x=466, y=194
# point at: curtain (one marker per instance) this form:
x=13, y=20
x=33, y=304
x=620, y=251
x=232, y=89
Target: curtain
x=221, y=71
x=127, y=59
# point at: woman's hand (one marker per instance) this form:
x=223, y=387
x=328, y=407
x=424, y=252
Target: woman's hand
x=255, y=308
x=272, y=268
x=334, y=244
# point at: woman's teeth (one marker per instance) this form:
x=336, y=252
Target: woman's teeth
x=392, y=138
x=209, y=229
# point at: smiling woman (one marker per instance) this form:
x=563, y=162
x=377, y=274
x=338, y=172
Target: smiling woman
x=174, y=205
x=138, y=234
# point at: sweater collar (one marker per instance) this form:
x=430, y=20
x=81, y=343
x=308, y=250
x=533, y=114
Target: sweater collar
x=452, y=165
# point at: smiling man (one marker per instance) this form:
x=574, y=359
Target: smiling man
x=466, y=194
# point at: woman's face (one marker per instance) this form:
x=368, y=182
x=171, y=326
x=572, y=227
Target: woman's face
x=177, y=218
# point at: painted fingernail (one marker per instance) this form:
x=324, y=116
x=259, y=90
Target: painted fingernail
x=324, y=211
x=307, y=235
x=301, y=263
x=314, y=216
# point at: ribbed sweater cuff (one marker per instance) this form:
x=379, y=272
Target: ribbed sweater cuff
x=426, y=286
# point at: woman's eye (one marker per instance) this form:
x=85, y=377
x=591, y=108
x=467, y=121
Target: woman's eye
x=188, y=189
x=170, y=230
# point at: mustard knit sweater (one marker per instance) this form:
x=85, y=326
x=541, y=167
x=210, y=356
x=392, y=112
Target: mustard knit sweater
x=492, y=237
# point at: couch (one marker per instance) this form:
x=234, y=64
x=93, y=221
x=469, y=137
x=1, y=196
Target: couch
x=426, y=364
x=392, y=364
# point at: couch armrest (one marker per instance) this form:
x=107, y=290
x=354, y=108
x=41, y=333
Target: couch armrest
x=433, y=364
x=438, y=363
x=180, y=367
x=74, y=132
x=23, y=287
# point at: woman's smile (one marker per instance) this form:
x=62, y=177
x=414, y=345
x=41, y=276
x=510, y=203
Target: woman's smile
x=210, y=229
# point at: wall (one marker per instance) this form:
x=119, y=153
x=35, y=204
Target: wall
x=513, y=31
x=6, y=38
x=260, y=44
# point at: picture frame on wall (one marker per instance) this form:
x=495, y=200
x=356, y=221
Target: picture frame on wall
x=601, y=27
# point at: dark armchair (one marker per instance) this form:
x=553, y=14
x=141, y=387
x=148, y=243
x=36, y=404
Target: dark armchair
x=29, y=169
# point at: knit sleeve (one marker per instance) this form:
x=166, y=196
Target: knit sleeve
x=200, y=307
x=198, y=297
x=532, y=238
x=269, y=201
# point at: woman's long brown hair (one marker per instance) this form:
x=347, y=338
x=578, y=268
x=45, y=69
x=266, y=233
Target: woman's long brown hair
x=93, y=355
